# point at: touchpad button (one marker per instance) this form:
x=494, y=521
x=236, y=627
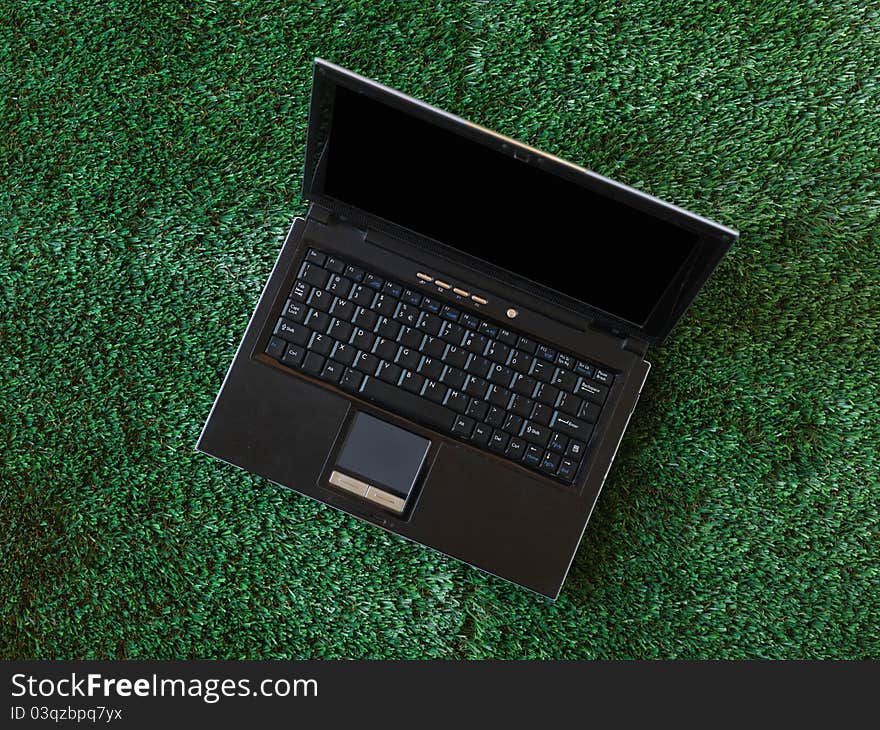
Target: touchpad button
x=380, y=462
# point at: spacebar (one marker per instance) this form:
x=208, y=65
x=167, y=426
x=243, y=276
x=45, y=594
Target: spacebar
x=409, y=405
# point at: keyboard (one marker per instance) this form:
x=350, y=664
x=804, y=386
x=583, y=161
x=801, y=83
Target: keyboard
x=422, y=358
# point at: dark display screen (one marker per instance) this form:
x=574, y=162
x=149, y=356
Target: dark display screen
x=505, y=211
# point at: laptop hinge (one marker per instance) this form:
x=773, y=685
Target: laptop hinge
x=319, y=213
x=635, y=345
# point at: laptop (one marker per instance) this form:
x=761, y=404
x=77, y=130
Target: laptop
x=453, y=339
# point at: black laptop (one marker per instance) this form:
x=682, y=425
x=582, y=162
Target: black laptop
x=452, y=341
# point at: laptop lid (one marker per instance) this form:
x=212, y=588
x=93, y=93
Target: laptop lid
x=623, y=259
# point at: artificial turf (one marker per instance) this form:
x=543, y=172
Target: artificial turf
x=150, y=162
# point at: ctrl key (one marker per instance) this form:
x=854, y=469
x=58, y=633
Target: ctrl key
x=293, y=356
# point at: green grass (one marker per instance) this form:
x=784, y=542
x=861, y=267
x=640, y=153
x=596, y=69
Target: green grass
x=150, y=162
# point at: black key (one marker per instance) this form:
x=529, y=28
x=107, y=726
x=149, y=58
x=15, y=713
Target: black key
x=583, y=368
x=362, y=295
x=322, y=344
x=410, y=337
x=515, y=449
x=592, y=392
x=343, y=309
x=495, y=416
x=535, y=433
x=300, y=291
x=316, y=257
x=567, y=470
x=332, y=371
x=385, y=305
x=477, y=409
x=388, y=328
x=513, y=424
x=393, y=289
x=335, y=265
x=407, y=314
x=340, y=286
x=550, y=463
x=475, y=342
x=363, y=339
x=575, y=449
x=408, y=358
x=276, y=347
x=564, y=379
x=318, y=321
x=294, y=355
x=523, y=384
x=603, y=376
x=546, y=353
x=455, y=356
x=432, y=305
x=588, y=412
x=297, y=334
x=469, y=321
x=430, y=368
x=366, y=363
x=314, y=275
x=498, y=352
x=343, y=353
x=566, y=362
x=488, y=329
x=507, y=337
x=498, y=441
x=522, y=406
x=412, y=297
x=572, y=427
x=570, y=404
x=434, y=347
x=412, y=382
x=385, y=349
x=294, y=311
x=365, y=319
x=354, y=273
x=476, y=387
x=352, y=379
x=526, y=345
x=340, y=330
x=430, y=324
x=501, y=375
x=481, y=435
x=435, y=391
x=542, y=370
x=389, y=372
x=408, y=405
x=542, y=414
x=463, y=426
x=558, y=442
x=546, y=393
x=453, y=377
x=520, y=361
x=478, y=366
x=452, y=333
x=450, y=313
x=499, y=396
x=314, y=363
x=532, y=455
x=373, y=281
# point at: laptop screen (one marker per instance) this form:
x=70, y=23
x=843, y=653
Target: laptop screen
x=511, y=214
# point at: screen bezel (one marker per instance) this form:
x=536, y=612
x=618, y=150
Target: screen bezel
x=713, y=239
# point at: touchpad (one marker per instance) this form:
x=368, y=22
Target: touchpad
x=379, y=462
